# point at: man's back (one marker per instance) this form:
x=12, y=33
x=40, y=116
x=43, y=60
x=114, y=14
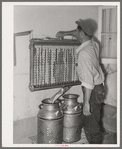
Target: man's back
x=88, y=60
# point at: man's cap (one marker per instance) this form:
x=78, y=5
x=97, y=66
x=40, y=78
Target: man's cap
x=87, y=26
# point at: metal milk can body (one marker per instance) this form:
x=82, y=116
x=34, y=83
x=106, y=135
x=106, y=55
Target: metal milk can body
x=50, y=123
x=72, y=118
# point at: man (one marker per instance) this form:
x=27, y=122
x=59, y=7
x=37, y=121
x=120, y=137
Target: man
x=91, y=76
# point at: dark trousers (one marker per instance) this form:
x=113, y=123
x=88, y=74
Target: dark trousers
x=91, y=122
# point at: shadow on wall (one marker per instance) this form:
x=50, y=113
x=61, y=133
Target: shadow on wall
x=96, y=39
x=100, y=48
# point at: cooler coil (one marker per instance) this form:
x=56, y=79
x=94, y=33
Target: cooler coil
x=52, y=63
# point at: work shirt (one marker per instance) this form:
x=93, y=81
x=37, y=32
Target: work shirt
x=88, y=68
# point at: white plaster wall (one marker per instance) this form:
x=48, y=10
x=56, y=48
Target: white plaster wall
x=48, y=20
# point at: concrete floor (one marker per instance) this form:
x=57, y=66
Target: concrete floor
x=108, y=138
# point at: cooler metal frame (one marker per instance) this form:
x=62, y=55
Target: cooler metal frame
x=52, y=42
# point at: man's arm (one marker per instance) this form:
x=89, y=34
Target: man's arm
x=61, y=34
x=86, y=104
x=86, y=75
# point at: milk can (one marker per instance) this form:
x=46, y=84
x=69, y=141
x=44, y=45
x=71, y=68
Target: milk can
x=72, y=118
x=50, y=123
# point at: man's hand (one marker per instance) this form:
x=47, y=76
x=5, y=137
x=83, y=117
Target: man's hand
x=86, y=109
x=86, y=104
x=60, y=34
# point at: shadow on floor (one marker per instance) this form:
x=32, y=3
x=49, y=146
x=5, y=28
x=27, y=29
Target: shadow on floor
x=109, y=138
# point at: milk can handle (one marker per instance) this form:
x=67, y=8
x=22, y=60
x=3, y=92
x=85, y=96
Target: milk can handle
x=79, y=105
x=56, y=113
x=63, y=107
x=41, y=106
x=61, y=103
x=61, y=100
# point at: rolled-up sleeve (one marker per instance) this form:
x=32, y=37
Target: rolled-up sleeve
x=85, y=70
